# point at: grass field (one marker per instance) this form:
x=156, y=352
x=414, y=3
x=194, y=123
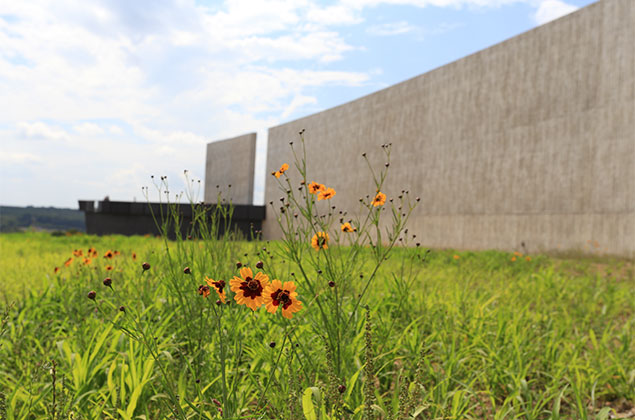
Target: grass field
x=332, y=321
x=448, y=335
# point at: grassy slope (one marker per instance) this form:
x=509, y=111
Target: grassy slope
x=18, y=218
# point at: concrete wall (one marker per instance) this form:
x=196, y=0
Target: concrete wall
x=231, y=162
x=530, y=140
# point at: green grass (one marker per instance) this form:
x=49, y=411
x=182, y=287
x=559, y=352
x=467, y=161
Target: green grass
x=476, y=337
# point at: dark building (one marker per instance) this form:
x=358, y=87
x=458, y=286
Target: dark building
x=132, y=218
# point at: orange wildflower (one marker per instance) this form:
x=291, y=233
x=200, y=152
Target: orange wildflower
x=514, y=258
x=56, y=269
x=78, y=253
x=203, y=290
x=283, y=296
x=280, y=171
x=346, y=227
x=219, y=286
x=87, y=261
x=320, y=241
x=109, y=268
x=108, y=254
x=249, y=289
x=518, y=254
x=380, y=199
x=528, y=258
x=134, y=255
x=314, y=187
x=68, y=262
x=456, y=257
x=116, y=253
x=326, y=194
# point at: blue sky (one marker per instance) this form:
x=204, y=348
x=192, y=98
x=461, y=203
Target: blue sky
x=96, y=96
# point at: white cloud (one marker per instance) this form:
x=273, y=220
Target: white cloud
x=297, y=102
x=20, y=158
x=115, y=130
x=333, y=15
x=41, y=131
x=392, y=28
x=549, y=10
x=88, y=129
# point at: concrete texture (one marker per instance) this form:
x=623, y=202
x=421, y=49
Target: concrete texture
x=531, y=140
x=231, y=163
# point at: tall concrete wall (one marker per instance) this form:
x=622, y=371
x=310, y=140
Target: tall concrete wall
x=530, y=140
x=231, y=162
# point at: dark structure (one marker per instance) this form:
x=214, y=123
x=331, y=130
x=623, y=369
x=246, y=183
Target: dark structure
x=132, y=218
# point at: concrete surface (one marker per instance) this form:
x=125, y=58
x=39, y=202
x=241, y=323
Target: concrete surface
x=231, y=163
x=531, y=140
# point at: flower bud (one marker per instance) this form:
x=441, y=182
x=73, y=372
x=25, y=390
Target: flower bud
x=92, y=295
x=238, y=264
x=107, y=282
x=272, y=344
x=259, y=265
x=331, y=283
x=145, y=266
x=122, y=309
x=187, y=270
x=341, y=389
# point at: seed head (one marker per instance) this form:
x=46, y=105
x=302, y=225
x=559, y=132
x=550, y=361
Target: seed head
x=122, y=309
x=272, y=344
x=145, y=266
x=331, y=283
x=238, y=264
x=107, y=282
x=259, y=265
x=92, y=295
x=341, y=388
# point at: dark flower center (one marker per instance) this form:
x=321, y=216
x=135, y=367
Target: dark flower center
x=203, y=290
x=281, y=296
x=220, y=285
x=253, y=284
x=251, y=288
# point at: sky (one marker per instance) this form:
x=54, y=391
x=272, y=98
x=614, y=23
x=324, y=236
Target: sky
x=96, y=96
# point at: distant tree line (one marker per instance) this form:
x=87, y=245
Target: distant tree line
x=15, y=219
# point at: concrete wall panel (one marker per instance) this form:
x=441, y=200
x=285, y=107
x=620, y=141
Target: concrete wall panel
x=231, y=163
x=530, y=140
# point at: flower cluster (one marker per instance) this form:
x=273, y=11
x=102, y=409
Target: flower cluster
x=322, y=191
x=280, y=171
x=320, y=240
x=255, y=290
x=87, y=257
